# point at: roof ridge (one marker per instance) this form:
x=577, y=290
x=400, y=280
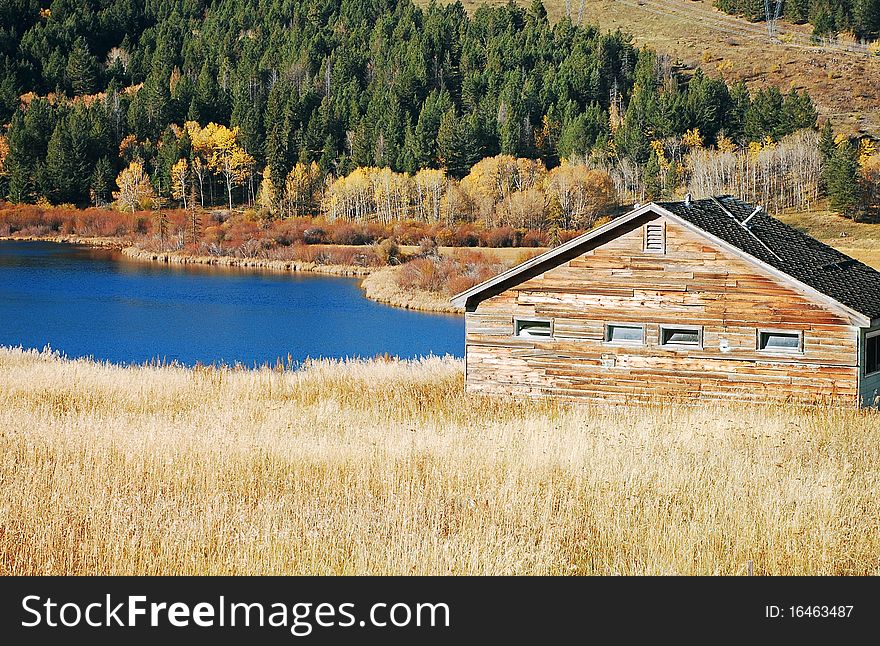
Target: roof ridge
x=820, y=268
x=795, y=253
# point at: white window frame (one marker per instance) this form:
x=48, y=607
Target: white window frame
x=792, y=352
x=662, y=249
x=517, y=320
x=869, y=335
x=683, y=346
x=607, y=341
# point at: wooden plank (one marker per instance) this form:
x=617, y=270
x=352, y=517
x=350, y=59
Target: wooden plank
x=694, y=283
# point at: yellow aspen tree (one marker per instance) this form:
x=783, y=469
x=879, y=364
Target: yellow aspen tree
x=480, y=186
x=228, y=158
x=492, y=182
x=134, y=187
x=692, y=138
x=202, y=147
x=430, y=188
x=725, y=144
x=302, y=188
x=201, y=173
x=579, y=194
x=179, y=181
x=867, y=150
x=870, y=174
x=267, y=192
x=4, y=152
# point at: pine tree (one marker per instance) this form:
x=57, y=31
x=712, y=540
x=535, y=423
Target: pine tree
x=361, y=146
x=102, y=181
x=826, y=141
x=673, y=179
x=82, y=69
x=799, y=112
x=456, y=144
x=155, y=100
x=425, y=137
x=204, y=107
x=866, y=18
x=653, y=183
x=537, y=11
x=843, y=179
x=68, y=168
x=9, y=94
x=407, y=161
x=168, y=155
x=766, y=116
x=740, y=102
x=277, y=123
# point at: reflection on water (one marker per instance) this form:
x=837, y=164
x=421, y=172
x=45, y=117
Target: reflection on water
x=91, y=302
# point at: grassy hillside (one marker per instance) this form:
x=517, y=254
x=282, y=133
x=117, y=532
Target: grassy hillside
x=385, y=467
x=861, y=240
x=842, y=84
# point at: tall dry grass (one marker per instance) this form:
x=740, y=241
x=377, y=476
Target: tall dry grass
x=387, y=467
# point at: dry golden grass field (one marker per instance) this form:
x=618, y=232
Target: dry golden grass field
x=860, y=240
x=387, y=467
x=694, y=33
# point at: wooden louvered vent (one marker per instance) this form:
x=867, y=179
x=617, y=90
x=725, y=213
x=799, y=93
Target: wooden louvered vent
x=655, y=238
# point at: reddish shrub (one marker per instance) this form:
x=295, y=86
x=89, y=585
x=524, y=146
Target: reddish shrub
x=568, y=234
x=459, y=283
x=465, y=235
x=345, y=233
x=375, y=231
x=314, y=235
x=500, y=237
x=444, y=236
x=535, y=238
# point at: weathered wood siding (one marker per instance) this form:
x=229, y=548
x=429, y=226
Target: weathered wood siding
x=694, y=283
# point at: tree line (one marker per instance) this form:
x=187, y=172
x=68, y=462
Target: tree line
x=828, y=17
x=321, y=88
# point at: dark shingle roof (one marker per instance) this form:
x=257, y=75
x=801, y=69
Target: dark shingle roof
x=802, y=257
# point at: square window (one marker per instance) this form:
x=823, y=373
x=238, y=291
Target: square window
x=684, y=336
x=628, y=334
x=775, y=341
x=533, y=328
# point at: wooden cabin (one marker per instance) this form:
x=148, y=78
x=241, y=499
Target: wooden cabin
x=700, y=300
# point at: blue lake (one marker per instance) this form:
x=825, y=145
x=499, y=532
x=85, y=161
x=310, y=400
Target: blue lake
x=91, y=302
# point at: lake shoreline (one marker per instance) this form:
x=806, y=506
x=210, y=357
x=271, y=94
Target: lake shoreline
x=377, y=284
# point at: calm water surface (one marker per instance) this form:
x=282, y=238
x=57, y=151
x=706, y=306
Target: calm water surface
x=89, y=302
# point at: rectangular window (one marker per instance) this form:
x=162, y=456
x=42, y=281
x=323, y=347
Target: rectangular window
x=872, y=354
x=533, y=328
x=628, y=334
x=776, y=341
x=655, y=238
x=684, y=336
